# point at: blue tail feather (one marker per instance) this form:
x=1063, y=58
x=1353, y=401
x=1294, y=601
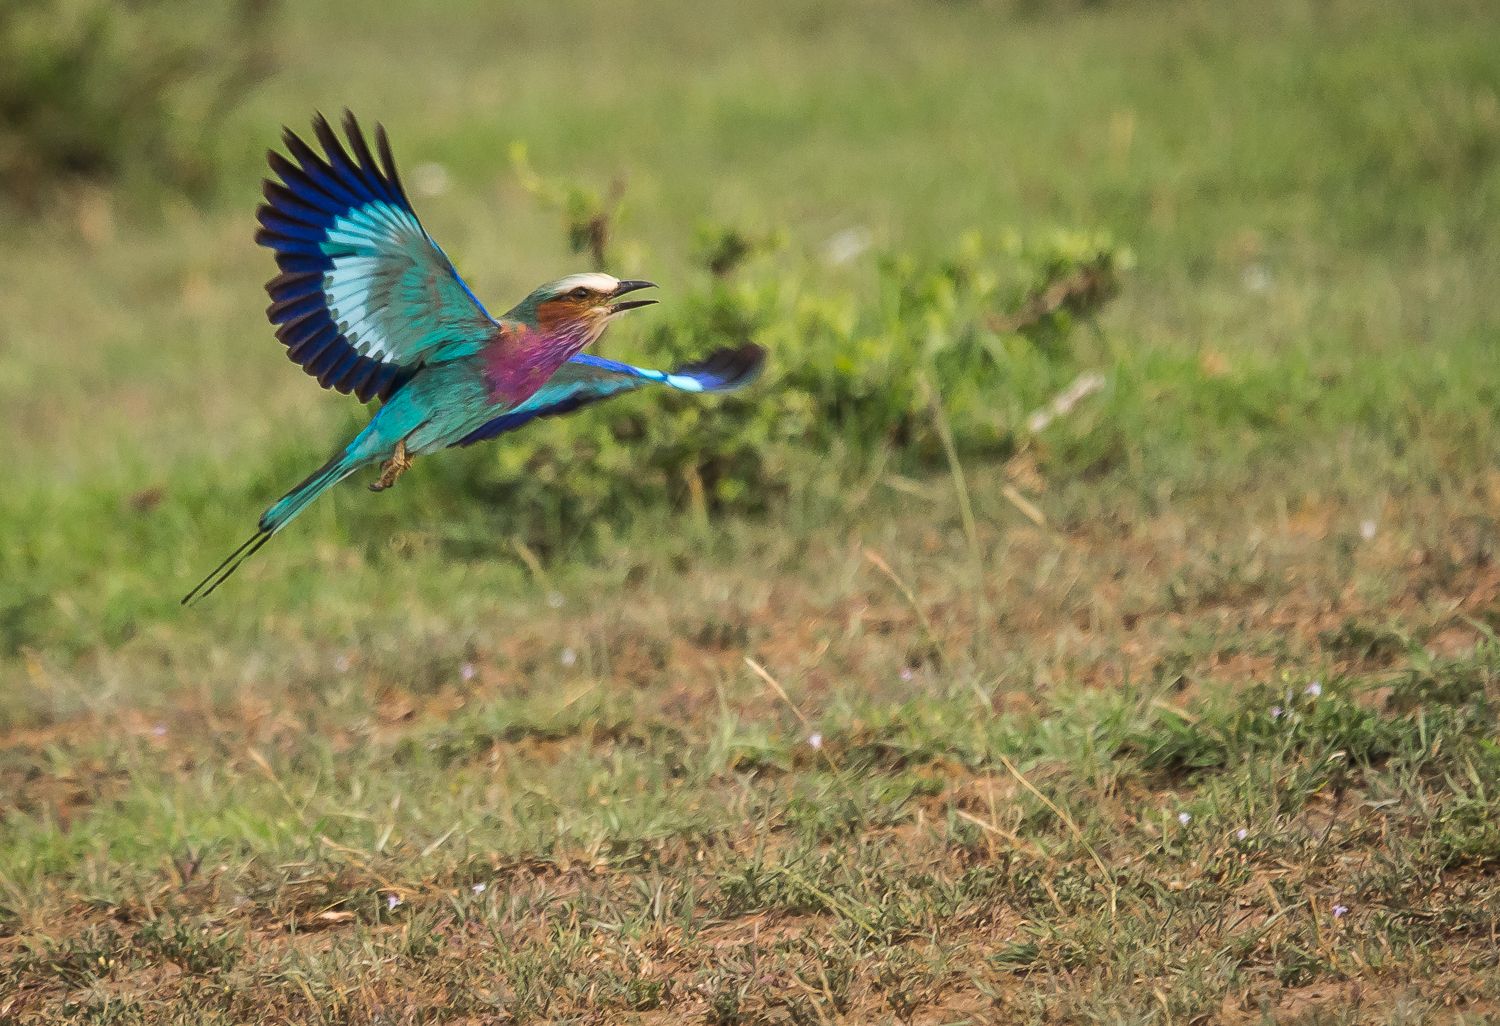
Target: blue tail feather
x=280, y=513
x=285, y=509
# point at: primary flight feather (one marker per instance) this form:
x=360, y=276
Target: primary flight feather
x=367, y=303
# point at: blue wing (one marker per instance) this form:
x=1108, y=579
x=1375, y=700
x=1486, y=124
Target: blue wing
x=364, y=296
x=589, y=379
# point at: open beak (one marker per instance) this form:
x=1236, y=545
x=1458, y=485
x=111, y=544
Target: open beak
x=626, y=287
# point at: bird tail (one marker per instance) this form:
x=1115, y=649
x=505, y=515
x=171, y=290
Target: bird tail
x=280, y=513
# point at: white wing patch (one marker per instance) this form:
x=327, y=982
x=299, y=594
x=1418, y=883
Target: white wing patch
x=354, y=286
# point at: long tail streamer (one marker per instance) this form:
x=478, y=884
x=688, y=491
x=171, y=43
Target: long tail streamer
x=275, y=518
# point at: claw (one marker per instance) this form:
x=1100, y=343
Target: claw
x=392, y=468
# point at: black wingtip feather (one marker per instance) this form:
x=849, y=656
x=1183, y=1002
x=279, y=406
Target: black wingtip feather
x=268, y=214
x=306, y=155
x=304, y=208
x=290, y=172
x=332, y=145
x=357, y=144
x=285, y=314
x=339, y=155
x=324, y=131
x=365, y=160
x=290, y=284
x=729, y=367
x=388, y=163
x=304, y=348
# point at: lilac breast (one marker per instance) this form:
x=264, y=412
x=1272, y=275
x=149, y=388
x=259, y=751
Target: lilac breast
x=518, y=363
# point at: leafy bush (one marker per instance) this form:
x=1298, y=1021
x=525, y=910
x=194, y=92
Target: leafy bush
x=975, y=341
x=93, y=88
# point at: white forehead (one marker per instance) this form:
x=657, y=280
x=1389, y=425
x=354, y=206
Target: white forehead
x=594, y=281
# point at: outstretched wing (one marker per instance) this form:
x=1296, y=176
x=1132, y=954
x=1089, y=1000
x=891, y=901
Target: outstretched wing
x=364, y=296
x=589, y=379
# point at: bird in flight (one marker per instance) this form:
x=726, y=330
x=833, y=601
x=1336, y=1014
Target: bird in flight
x=367, y=303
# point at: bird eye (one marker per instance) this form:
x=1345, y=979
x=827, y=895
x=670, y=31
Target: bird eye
x=579, y=293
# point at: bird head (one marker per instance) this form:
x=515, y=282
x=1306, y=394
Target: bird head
x=580, y=305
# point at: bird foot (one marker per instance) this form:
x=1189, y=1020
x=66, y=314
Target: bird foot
x=392, y=468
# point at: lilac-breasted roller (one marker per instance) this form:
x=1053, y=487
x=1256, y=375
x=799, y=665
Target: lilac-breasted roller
x=367, y=303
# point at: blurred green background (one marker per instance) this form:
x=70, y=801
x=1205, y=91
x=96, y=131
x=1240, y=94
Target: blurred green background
x=1298, y=199
x=1304, y=192
x=1127, y=357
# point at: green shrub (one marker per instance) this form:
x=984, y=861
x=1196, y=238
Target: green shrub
x=980, y=339
x=95, y=88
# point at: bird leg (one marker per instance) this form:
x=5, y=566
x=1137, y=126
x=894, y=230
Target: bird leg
x=392, y=468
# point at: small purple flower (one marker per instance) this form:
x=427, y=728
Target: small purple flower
x=467, y=671
x=906, y=673
x=1275, y=712
x=160, y=730
x=1339, y=911
x=1315, y=688
x=1241, y=834
x=815, y=742
x=478, y=888
x=391, y=901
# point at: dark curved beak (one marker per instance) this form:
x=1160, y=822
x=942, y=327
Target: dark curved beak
x=626, y=287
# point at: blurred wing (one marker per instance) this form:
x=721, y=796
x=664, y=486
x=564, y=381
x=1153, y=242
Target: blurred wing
x=589, y=379
x=364, y=296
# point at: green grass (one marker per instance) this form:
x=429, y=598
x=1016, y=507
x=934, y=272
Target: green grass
x=427, y=761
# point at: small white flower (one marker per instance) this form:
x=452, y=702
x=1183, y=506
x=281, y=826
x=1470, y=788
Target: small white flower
x=1367, y=529
x=1275, y=712
x=569, y=657
x=555, y=599
x=478, y=888
x=1184, y=818
x=1315, y=688
x=160, y=730
x=467, y=671
x=341, y=663
x=815, y=742
x=391, y=901
x=906, y=673
x=1241, y=834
